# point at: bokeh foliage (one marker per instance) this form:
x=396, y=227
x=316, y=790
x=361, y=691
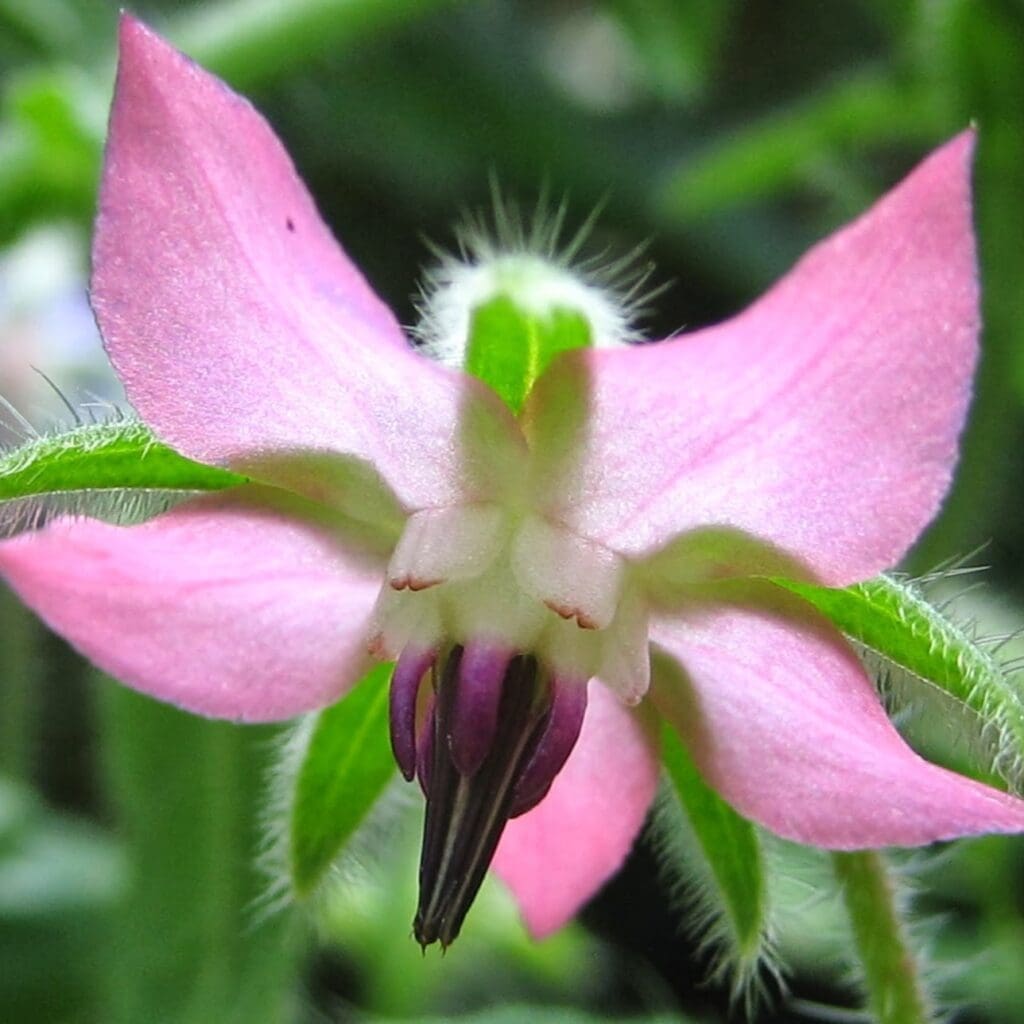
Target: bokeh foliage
x=730, y=136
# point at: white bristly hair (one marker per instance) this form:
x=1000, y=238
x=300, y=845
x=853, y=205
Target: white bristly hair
x=530, y=263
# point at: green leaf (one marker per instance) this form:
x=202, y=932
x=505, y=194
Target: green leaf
x=345, y=768
x=115, y=471
x=723, y=864
x=890, y=618
x=510, y=348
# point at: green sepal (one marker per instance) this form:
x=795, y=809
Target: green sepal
x=105, y=456
x=344, y=769
x=890, y=618
x=114, y=471
x=510, y=348
x=719, y=855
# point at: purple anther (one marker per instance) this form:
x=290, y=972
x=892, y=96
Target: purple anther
x=561, y=731
x=405, y=686
x=474, y=713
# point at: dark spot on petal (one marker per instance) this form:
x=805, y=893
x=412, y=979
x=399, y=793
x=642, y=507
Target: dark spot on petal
x=568, y=613
x=290, y=224
x=413, y=583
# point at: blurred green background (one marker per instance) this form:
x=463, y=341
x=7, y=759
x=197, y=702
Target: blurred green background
x=728, y=136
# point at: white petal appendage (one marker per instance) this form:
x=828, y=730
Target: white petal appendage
x=444, y=544
x=575, y=578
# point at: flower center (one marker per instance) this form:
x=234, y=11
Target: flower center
x=481, y=571
x=509, y=616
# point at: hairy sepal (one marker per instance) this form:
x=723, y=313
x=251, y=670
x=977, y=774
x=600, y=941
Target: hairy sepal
x=343, y=771
x=714, y=857
x=118, y=472
x=890, y=618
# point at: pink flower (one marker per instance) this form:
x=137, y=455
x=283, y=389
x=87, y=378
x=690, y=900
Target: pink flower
x=402, y=508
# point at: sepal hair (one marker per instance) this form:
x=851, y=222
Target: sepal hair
x=358, y=860
x=985, y=723
x=533, y=259
x=119, y=506
x=754, y=975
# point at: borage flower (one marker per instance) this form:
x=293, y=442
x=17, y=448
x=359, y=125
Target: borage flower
x=524, y=562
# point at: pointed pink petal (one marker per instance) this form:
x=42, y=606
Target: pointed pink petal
x=824, y=419
x=555, y=857
x=220, y=606
x=784, y=723
x=241, y=331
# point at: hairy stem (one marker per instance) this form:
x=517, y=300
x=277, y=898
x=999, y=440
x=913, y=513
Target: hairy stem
x=19, y=685
x=892, y=977
x=190, y=945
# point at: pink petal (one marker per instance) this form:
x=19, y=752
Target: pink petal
x=784, y=723
x=241, y=331
x=824, y=419
x=223, y=606
x=555, y=857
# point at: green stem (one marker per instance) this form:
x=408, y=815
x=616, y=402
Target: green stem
x=892, y=977
x=19, y=684
x=190, y=945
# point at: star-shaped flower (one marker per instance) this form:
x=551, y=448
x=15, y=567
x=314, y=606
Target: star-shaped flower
x=527, y=563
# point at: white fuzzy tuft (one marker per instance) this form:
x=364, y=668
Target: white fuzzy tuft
x=533, y=284
x=532, y=266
